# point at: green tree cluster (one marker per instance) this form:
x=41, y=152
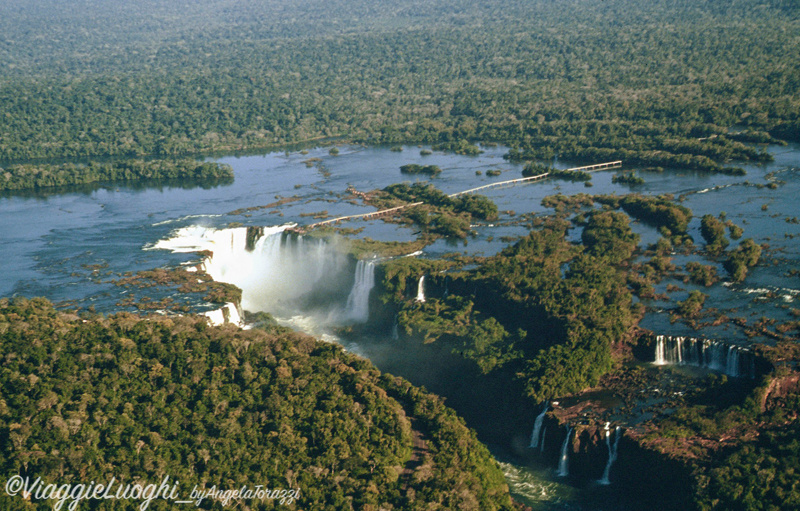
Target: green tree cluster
x=440, y=214
x=571, y=175
x=701, y=274
x=43, y=176
x=609, y=233
x=413, y=168
x=742, y=258
x=544, y=311
x=477, y=206
x=713, y=231
x=762, y=474
x=628, y=178
x=539, y=76
x=660, y=211
x=691, y=307
x=139, y=399
x=532, y=169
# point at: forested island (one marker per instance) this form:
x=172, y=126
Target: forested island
x=111, y=92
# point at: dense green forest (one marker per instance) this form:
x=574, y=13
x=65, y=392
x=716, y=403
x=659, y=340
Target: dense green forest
x=548, y=311
x=760, y=475
x=739, y=438
x=90, y=398
x=43, y=176
x=651, y=84
x=129, y=90
x=545, y=311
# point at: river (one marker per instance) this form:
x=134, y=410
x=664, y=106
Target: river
x=69, y=247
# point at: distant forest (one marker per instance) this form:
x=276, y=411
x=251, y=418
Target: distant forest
x=678, y=84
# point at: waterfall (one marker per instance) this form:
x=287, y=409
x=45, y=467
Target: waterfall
x=612, y=453
x=288, y=275
x=421, y=290
x=563, y=462
x=227, y=314
x=537, y=426
x=661, y=358
x=732, y=362
x=730, y=359
x=357, y=308
x=541, y=443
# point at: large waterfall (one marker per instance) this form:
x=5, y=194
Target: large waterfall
x=421, y=290
x=563, y=461
x=357, y=308
x=612, y=454
x=227, y=314
x=303, y=280
x=730, y=359
x=537, y=427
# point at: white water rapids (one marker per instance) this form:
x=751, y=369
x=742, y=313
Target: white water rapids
x=305, y=283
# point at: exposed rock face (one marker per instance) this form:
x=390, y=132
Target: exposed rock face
x=253, y=235
x=646, y=475
x=587, y=449
x=779, y=388
x=649, y=475
x=589, y=452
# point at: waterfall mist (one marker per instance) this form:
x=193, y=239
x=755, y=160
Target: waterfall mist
x=305, y=282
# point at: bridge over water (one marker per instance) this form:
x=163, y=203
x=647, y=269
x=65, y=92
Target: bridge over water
x=510, y=182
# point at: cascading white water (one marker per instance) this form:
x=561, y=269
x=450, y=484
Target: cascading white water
x=277, y=269
x=541, y=442
x=421, y=290
x=537, y=426
x=563, y=461
x=661, y=358
x=227, y=314
x=732, y=362
x=532, y=486
x=300, y=279
x=277, y=276
x=612, y=454
x=357, y=308
x=718, y=356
